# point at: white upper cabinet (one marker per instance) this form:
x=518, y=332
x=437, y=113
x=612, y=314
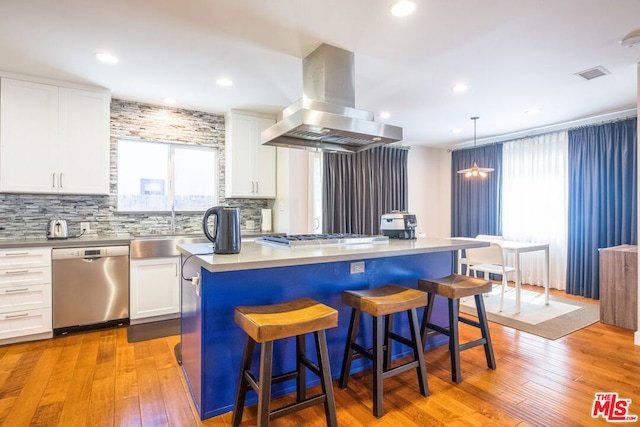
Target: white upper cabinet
x=250, y=166
x=84, y=141
x=53, y=139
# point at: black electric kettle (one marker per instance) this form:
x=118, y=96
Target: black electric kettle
x=226, y=235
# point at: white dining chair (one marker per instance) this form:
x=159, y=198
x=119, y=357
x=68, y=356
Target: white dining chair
x=462, y=260
x=489, y=260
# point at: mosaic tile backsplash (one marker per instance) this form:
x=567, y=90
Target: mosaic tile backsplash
x=27, y=215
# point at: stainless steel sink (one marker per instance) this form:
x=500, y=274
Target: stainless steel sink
x=162, y=245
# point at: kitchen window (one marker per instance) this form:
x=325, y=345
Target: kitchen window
x=163, y=177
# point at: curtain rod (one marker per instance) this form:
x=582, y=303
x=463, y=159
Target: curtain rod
x=558, y=127
x=621, y=119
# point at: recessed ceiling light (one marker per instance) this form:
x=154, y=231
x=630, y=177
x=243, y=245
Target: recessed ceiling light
x=107, y=57
x=455, y=131
x=631, y=39
x=459, y=87
x=533, y=111
x=223, y=81
x=403, y=8
x=168, y=100
x=384, y=115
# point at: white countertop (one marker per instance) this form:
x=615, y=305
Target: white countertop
x=255, y=255
x=98, y=240
x=62, y=243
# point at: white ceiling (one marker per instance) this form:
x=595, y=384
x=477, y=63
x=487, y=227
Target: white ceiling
x=513, y=54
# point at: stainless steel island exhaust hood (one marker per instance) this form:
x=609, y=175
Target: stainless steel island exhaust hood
x=325, y=117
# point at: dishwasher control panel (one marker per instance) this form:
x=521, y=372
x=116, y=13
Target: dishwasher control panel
x=89, y=252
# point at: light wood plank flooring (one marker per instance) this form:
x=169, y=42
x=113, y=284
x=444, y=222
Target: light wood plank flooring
x=98, y=378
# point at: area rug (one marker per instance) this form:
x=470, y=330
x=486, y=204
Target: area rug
x=153, y=330
x=561, y=317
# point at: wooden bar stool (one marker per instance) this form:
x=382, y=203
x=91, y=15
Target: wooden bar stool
x=382, y=303
x=267, y=323
x=454, y=287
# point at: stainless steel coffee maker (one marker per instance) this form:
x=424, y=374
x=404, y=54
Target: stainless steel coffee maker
x=226, y=233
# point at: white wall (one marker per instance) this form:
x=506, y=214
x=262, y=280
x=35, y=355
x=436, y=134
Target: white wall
x=430, y=190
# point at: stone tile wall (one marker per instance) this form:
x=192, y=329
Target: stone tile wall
x=27, y=215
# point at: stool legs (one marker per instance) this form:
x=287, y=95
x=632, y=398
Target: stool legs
x=301, y=380
x=453, y=332
x=380, y=354
x=325, y=378
x=266, y=379
x=378, y=362
x=264, y=395
x=418, y=352
x=354, y=325
x=454, y=340
x=241, y=391
x=484, y=327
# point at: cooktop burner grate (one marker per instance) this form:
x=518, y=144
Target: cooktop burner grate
x=322, y=239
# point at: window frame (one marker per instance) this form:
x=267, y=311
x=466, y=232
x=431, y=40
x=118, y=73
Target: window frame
x=172, y=146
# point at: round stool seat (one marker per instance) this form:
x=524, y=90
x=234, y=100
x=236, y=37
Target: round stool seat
x=387, y=299
x=272, y=322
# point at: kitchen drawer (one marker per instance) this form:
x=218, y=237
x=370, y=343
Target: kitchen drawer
x=26, y=322
x=25, y=276
x=24, y=258
x=20, y=298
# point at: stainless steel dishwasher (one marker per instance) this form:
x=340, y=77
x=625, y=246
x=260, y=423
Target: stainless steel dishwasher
x=90, y=287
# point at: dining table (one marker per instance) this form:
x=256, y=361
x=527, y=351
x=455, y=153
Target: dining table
x=517, y=249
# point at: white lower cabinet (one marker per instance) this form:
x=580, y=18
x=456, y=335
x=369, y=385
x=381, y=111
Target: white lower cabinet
x=25, y=324
x=154, y=288
x=25, y=295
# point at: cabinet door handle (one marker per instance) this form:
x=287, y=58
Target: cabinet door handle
x=61, y=175
x=53, y=182
x=17, y=253
x=15, y=291
x=13, y=316
x=257, y=188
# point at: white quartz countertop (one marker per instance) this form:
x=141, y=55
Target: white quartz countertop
x=254, y=255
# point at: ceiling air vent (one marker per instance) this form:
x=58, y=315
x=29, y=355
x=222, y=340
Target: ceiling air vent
x=593, y=73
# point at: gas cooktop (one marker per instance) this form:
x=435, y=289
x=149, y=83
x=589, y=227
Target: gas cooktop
x=321, y=239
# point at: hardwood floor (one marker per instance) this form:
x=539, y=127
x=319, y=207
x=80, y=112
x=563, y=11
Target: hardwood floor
x=98, y=378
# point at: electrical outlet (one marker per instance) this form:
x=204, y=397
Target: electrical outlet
x=251, y=224
x=84, y=227
x=357, y=267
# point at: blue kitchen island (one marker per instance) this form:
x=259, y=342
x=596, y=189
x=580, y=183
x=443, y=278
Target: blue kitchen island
x=213, y=285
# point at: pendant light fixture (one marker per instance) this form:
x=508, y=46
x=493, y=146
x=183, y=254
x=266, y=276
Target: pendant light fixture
x=475, y=170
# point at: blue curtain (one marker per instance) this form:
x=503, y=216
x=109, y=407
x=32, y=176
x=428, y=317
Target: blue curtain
x=603, y=176
x=476, y=203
